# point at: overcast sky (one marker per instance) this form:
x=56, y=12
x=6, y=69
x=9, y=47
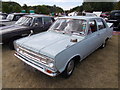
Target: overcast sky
x=65, y=4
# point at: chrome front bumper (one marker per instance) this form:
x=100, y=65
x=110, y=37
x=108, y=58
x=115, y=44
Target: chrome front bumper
x=37, y=66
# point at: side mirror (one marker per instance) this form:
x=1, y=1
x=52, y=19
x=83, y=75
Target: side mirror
x=31, y=32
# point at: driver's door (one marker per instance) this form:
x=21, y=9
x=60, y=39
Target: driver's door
x=92, y=39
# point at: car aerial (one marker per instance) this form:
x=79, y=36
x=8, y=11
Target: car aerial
x=11, y=19
x=115, y=19
x=68, y=40
x=28, y=24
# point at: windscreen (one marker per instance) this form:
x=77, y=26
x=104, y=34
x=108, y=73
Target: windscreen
x=26, y=21
x=70, y=26
x=10, y=17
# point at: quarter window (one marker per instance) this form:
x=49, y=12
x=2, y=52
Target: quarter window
x=100, y=23
x=16, y=18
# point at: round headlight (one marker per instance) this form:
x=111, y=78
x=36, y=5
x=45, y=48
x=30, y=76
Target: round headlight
x=17, y=49
x=51, y=65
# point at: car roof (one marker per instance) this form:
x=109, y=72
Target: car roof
x=19, y=13
x=80, y=17
x=115, y=11
x=37, y=15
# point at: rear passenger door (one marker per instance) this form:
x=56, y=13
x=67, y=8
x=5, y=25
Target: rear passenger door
x=92, y=36
x=102, y=33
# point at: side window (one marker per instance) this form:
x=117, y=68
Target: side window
x=117, y=14
x=38, y=21
x=92, y=26
x=47, y=20
x=101, y=24
x=16, y=17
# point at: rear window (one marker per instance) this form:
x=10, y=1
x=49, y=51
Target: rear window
x=38, y=20
x=47, y=20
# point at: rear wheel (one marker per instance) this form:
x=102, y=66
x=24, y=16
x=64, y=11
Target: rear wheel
x=104, y=44
x=69, y=69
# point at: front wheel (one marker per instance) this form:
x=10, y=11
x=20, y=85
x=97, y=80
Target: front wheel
x=69, y=69
x=11, y=45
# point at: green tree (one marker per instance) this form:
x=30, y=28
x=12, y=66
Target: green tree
x=10, y=7
x=25, y=7
x=87, y=7
x=98, y=6
x=45, y=9
x=0, y=6
x=117, y=6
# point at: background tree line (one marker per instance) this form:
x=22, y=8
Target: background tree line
x=97, y=6
x=11, y=7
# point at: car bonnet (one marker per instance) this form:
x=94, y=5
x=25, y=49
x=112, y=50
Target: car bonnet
x=47, y=43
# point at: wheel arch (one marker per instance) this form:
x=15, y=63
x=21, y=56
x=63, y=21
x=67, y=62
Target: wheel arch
x=15, y=37
x=76, y=58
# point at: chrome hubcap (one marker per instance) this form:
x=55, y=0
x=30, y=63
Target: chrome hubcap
x=104, y=44
x=70, y=67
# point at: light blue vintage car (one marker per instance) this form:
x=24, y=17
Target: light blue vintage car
x=68, y=40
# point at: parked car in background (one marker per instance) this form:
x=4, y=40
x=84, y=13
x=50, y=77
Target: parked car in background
x=105, y=15
x=90, y=14
x=28, y=24
x=115, y=19
x=11, y=19
x=3, y=16
x=98, y=13
x=68, y=40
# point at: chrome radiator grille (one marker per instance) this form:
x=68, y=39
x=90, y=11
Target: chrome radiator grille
x=31, y=55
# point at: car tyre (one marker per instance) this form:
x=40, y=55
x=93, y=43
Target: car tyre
x=11, y=45
x=69, y=69
x=104, y=44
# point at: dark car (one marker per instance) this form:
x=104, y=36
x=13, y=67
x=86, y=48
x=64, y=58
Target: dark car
x=11, y=19
x=26, y=25
x=115, y=19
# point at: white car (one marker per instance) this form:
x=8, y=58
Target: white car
x=68, y=40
